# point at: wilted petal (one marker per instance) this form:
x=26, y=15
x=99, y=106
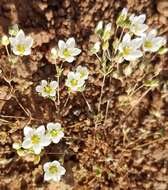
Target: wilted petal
x=44, y=83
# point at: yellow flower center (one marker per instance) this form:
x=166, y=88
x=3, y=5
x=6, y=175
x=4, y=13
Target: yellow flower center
x=21, y=48
x=48, y=89
x=53, y=169
x=127, y=50
x=54, y=133
x=148, y=44
x=74, y=82
x=35, y=139
x=67, y=53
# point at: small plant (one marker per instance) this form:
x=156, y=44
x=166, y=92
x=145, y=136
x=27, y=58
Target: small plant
x=34, y=142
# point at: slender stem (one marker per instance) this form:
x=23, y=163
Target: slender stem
x=66, y=100
x=27, y=113
x=107, y=109
x=101, y=93
x=88, y=105
x=138, y=101
x=98, y=58
x=7, y=51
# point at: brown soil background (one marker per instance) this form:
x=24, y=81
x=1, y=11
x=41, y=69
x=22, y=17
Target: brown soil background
x=48, y=21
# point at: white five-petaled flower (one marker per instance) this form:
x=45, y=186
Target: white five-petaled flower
x=35, y=139
x=129, y=48
x=83, y=71
x=55, y=132
x=137, y=26
x=153, y=43
x=67, y=50
x=53, y=171
x=74, y=82
x=47, y=89
x=21, y=44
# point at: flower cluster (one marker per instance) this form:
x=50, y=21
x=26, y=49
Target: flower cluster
x=66, y=51
x=76, y=80
x=35, y=140
x=20, y=43
x=132, y=49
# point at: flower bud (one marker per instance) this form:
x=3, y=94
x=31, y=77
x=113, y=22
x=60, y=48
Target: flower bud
x=5, y=41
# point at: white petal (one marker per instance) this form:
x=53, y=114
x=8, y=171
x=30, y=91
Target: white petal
x=47, y=176
x=37, y=149
x=61, y=45
x=75, y=51
x=126, y=38
x=26, y=144
x=134, y=55
x=50, y=126
x=142, y=18
x=70, y=43
x=62, y=170
x=44, y=83
x=15, y=51
x=54, y=84
x=53, y=93
x=39, y=88
x=40, y=130
x=45, y=141
x=27, y=131
x=137, y=42
x=20, y=36
x=69, y=59
x=55, y=162
x=46, y=166
x=27, y=51
x=56, y=178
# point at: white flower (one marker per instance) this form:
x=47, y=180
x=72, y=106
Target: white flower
x=83, y=71
x=129, y=48
x=53, y=171
x=47, y=89
x=107, y=32
x=21, y=45
x=152, y=43
x=35, y=139
x=137, y=26
x=95, y=49
x=5, y=41
x=55, y=132
x=74, y=81
x=54, y=53
x=99, y=27
x=67, y=50
x=124, y=13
